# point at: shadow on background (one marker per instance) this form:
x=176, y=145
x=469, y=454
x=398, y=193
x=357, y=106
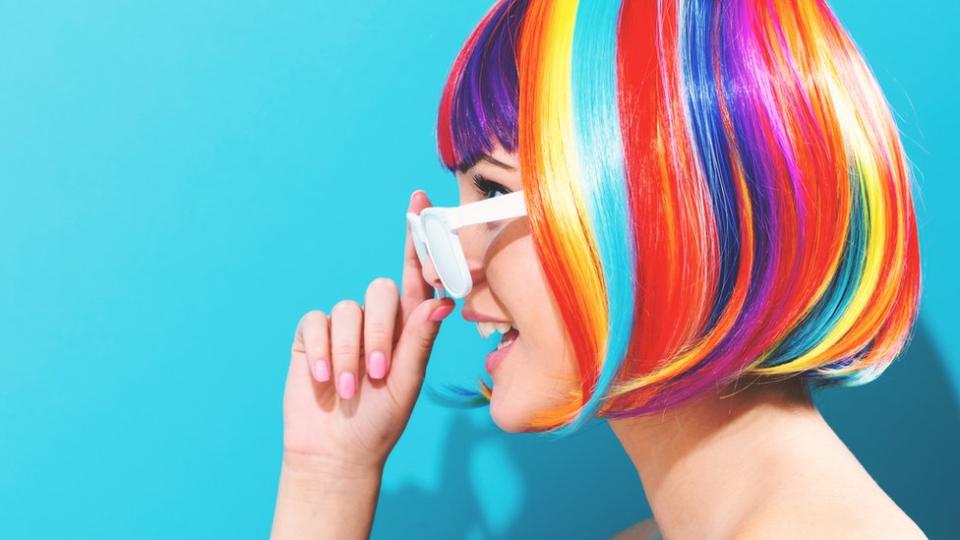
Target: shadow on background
x=904, y=427
x=580, y=487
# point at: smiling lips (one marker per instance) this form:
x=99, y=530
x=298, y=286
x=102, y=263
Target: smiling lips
x=486, y=326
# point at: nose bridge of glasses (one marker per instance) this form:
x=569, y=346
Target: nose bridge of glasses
x=474, y=227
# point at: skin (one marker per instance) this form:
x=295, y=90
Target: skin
x=509, y=285
x=754, y=460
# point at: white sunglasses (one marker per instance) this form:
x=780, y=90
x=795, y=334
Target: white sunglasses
x=435, y=235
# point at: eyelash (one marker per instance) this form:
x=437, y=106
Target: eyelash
x=485, y=186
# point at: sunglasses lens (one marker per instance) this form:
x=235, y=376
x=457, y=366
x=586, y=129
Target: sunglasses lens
x=447, y=255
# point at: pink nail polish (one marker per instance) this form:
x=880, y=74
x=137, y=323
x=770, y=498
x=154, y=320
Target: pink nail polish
x=348, y=385
x=441, y=312
x=377, y=367
x=320, y=371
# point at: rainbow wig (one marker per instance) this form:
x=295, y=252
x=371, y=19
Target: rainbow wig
x=715, y=189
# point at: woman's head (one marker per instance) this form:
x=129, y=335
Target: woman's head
x=714, y=189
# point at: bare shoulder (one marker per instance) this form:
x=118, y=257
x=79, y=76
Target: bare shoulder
x=645, y=530
x=830, y=521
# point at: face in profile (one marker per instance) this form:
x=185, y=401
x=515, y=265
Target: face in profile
x=678, y=240
x=536, y=371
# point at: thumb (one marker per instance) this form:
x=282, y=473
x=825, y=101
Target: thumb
x=416, y=343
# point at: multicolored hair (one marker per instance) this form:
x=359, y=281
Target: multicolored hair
x=715, y=189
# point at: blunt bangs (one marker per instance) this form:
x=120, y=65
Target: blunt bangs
x=716, y=188
x=479, y=104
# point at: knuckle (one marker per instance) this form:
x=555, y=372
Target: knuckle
x=425, y=341
x=345, y=349
x=345, y=307
x=310, y=322
x=376, y=334
x=384, y=284
x=312, y=317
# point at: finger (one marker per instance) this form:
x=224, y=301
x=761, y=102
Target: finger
x=346, y=319
x=314, y=341
x=415, y=345
x=379, y=316
x=414, y=288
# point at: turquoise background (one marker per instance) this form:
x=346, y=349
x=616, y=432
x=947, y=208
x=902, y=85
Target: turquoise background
x=181, y=180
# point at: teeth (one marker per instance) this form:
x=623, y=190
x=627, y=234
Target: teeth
x=486, y=329
x=504, y=343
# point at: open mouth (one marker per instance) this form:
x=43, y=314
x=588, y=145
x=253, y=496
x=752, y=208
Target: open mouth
x=507, y=339
x=508, y=336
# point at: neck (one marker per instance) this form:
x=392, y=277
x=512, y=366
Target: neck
x=707, y=465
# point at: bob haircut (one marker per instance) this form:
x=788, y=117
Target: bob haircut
x=715, y=189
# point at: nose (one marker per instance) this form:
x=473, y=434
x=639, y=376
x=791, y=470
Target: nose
x=471, y=241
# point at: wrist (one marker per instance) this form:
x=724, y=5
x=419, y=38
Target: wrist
x=325, y=468
x=321, y=497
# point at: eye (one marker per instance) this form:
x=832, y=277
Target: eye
x=487, y=187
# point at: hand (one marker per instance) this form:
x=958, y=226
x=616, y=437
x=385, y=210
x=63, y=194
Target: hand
x=343, y=409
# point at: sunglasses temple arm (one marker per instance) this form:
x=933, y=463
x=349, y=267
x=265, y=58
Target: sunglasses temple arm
x=505, y=207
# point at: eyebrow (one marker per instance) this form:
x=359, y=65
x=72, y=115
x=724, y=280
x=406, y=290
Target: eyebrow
x=496, y=162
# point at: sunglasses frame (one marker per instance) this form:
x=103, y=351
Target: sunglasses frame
x=452, y=218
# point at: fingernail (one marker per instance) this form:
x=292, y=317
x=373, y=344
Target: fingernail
x=347, y=386
x=377, y=367
x=441, y=312
x=320, y=371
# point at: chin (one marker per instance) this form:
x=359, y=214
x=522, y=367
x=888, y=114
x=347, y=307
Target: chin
x=502, y=416
x=509, y=417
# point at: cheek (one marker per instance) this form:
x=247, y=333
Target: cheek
x=518, y=281
x=541, y=371
x=540, y=378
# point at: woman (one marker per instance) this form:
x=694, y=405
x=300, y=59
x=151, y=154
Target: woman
x=681, y=215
